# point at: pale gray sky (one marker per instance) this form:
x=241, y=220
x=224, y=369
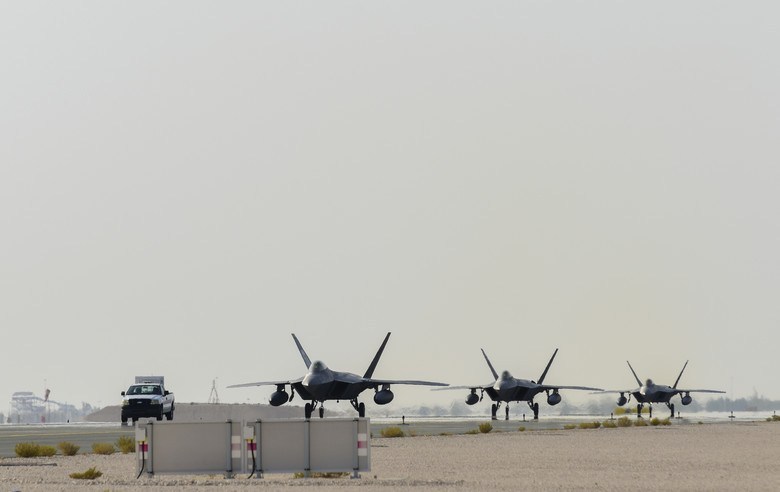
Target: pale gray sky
x=184, y=184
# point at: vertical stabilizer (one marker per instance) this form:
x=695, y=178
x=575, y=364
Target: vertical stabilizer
x=678, y=377
x=495, y=374
x=638, y=381
x=544, y=374
x=303, y=352
x=370, y=370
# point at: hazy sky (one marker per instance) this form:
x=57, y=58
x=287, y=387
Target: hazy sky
x=184, y=184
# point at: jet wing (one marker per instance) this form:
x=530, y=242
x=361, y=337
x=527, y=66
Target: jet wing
x=266, y=383
x=403, y=381
x=584, y=388
x=698, y=391
x=601, y=391
x=483, y=387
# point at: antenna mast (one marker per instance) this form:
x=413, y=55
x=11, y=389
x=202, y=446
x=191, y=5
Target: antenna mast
x=214, y=396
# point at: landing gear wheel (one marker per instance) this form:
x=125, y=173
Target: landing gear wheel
x=322, y=412
x=507, y=413
x=124, y=420
x=650, y=408
x=493, y=411
x=307, y=411
x=135, y=419
x=671, y=407
x=536, y=411
x=361, y=409
x=638, y=410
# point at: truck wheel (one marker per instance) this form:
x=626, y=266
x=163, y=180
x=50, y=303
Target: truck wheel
x=124, y=420
x=160, y=417
x=169, y=415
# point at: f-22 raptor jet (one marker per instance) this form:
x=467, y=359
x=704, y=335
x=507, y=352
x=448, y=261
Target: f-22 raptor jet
x=506, y=389
x=320, y=384
x=657, y=393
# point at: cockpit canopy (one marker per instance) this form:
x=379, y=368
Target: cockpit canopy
x=318, y=366
x=506, y=375
x=649, y=382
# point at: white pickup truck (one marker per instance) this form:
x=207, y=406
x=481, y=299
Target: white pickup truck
x=147, y=398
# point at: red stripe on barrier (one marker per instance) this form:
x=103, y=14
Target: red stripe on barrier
x=362, y=444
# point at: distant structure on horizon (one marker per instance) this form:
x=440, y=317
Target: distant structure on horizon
x=27, y=408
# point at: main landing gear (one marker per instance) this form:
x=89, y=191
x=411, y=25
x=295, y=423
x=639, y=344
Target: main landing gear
x=639, y=407
x=360, y=407
x=671, y=409
x=309, y=408
x=494, y=411
x=496, y=406
x=535, y=409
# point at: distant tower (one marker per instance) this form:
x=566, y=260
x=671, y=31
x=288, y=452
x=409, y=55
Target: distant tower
x=214, y=396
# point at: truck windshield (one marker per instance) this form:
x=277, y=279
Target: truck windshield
x=144, y=389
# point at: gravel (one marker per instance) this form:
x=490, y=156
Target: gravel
x=736, y=456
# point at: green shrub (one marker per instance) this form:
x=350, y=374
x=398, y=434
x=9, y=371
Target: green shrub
x=773, y=418
x=666, y=421
x=521, y=429
x=485, y=427
x=609, y=424
x=590, y=425
x=46, y=450
x=68, y=448
x=126, y=444
x=640, y=423
x=90, y=474
x=392, y=432
x=624, y=422
x=26, y=449
x=620, y=411
x=472, y=431
x=103, y=448
x=655, y=421
x=569, y=426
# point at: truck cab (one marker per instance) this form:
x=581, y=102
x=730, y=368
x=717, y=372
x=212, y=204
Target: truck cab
x=147, y=398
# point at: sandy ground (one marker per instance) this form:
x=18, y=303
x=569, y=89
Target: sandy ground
x=737, y=456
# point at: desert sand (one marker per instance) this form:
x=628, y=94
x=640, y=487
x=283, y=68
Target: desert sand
x=734, y=456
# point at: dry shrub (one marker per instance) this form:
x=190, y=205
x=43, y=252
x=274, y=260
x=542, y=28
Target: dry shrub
x=485, y=427
x=392, y=432
x=68, y=448
x=89, y=474
x=126, y=444
x=26, y=449
x=103, y=448
x=624, y=422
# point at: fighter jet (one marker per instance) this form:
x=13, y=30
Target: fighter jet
x=321, y=384
x=657, y=393
x=507, y=389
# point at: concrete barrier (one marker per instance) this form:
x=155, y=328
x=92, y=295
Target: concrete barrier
x=265, y=446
